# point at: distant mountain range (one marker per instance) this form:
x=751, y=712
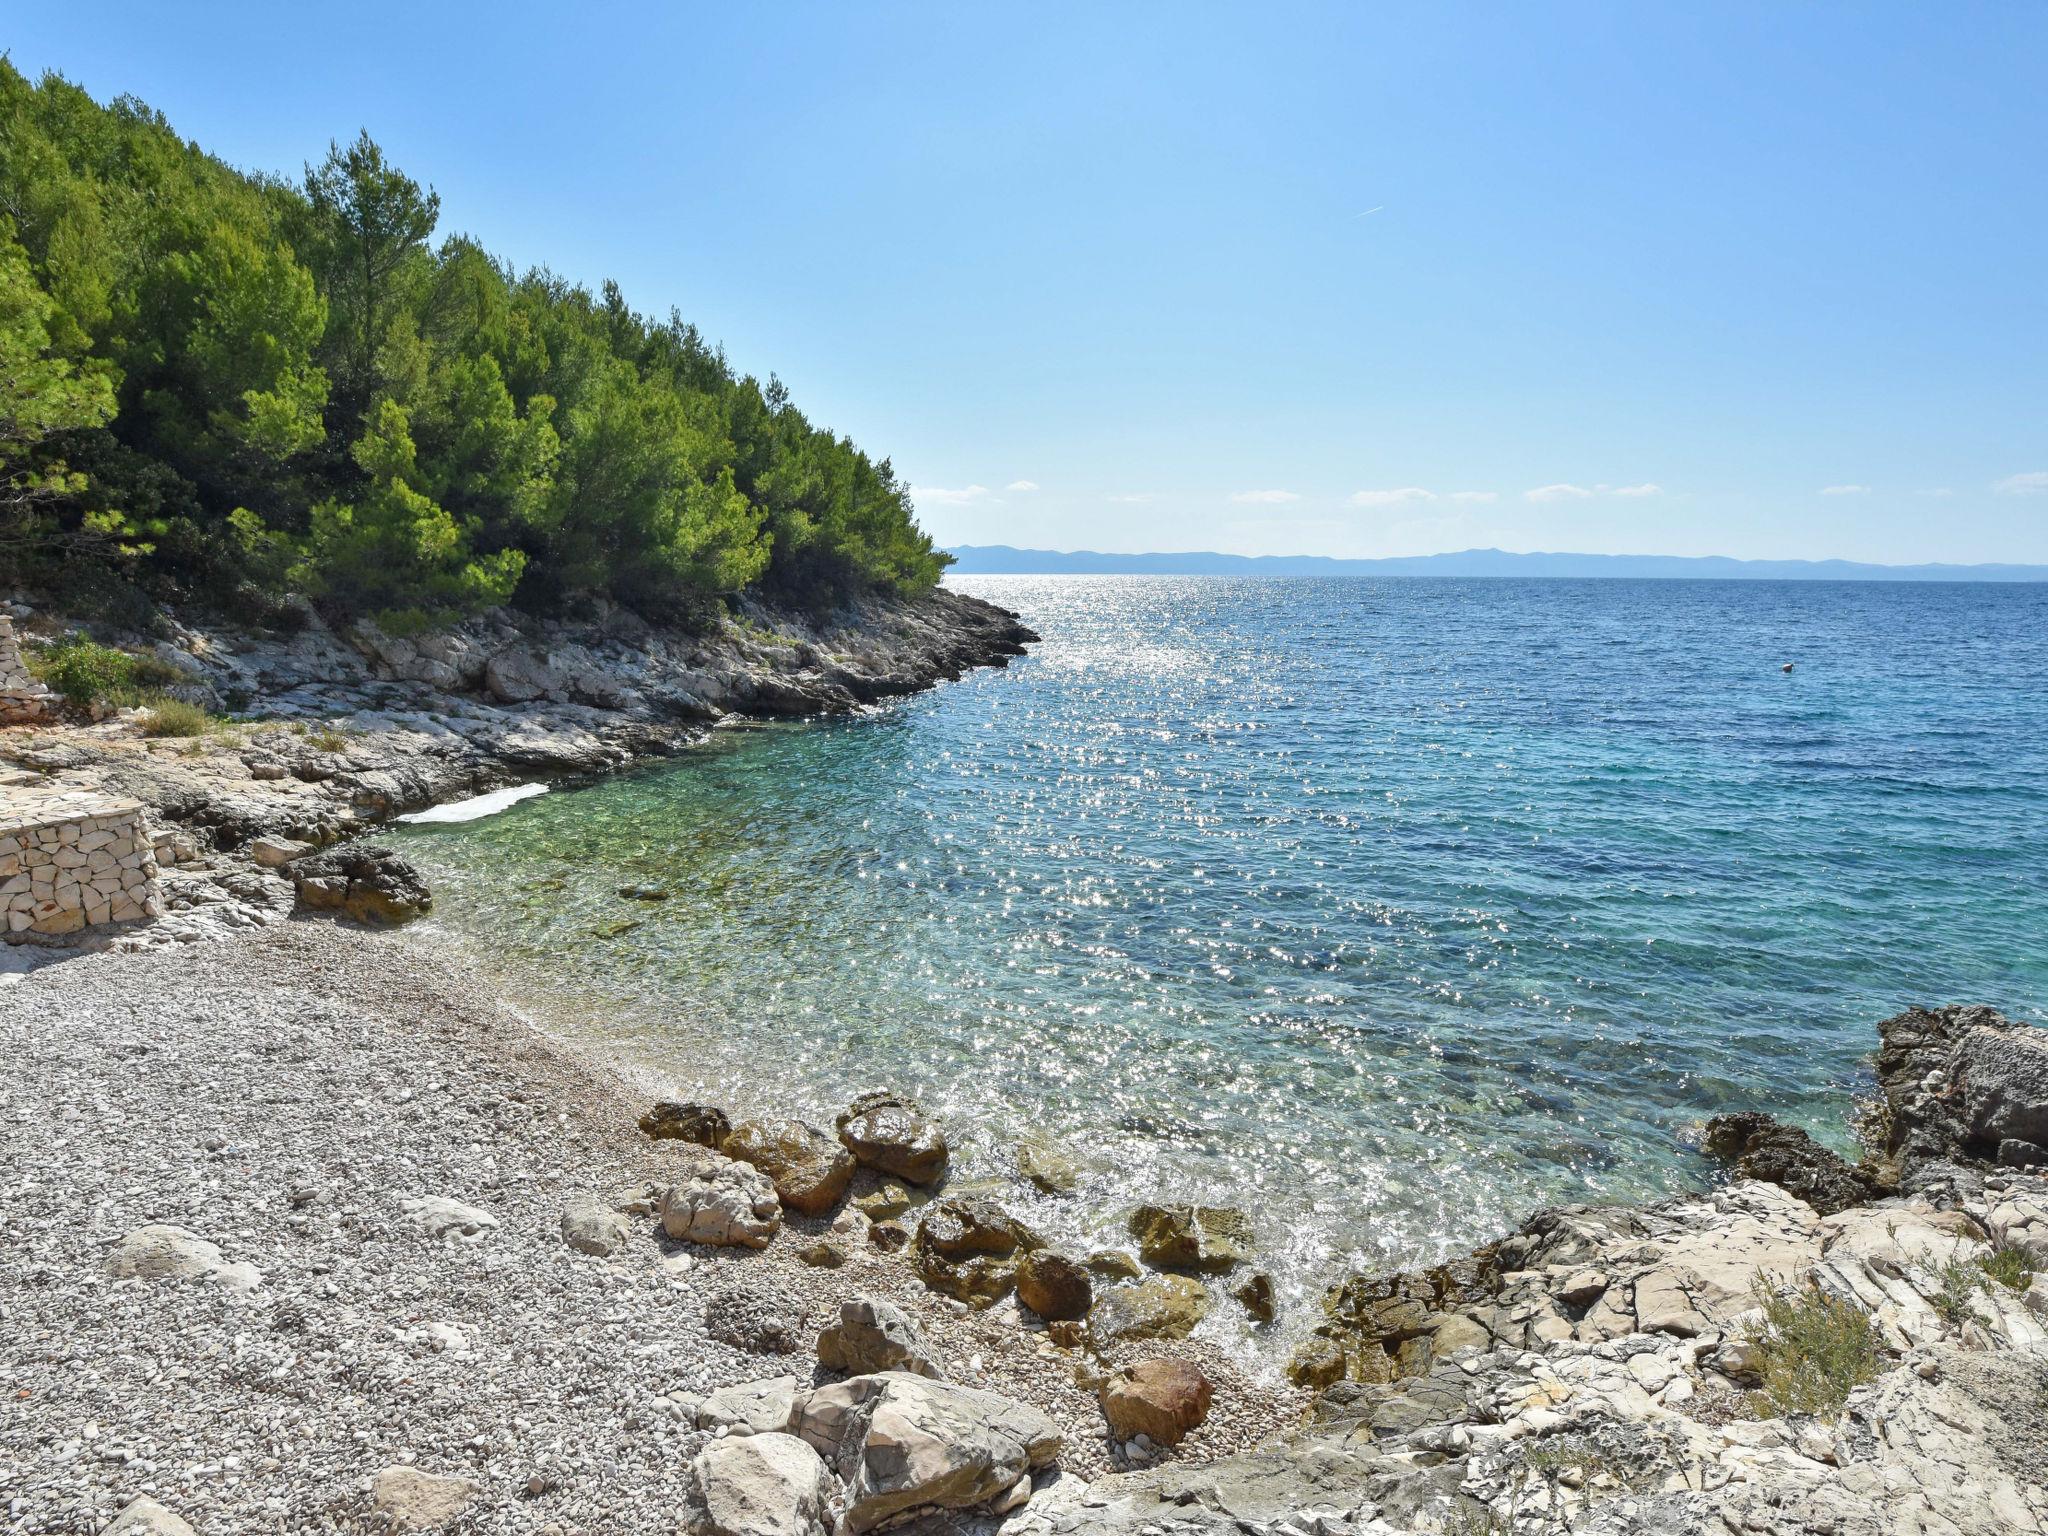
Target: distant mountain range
x=1001, y=559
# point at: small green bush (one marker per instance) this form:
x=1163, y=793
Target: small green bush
x=2010, y=1266
x=85, y=672
x=174, y=717
x=1814, y=1351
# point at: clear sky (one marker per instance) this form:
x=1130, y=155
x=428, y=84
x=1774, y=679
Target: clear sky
x=1347, y=279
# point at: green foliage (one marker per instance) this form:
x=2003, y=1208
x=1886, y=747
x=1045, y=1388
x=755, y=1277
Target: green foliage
x=84, y=672
x=2010, y=1265
x=221, y=386
x=175, y=717
x=1814, y=1350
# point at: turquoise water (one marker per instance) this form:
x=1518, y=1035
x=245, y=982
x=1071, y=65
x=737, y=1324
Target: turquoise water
x=1392, y=910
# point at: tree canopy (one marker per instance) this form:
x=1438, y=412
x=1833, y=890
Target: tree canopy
x=218, y=387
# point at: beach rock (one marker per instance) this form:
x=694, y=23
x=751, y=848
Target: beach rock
x=1054, y=1286
x=143, y=1516
x=1957, y=1082
x=902, y=1443
x=1159, y=1399
x=591, y=1226
x=887, y=1199
x=874, y=1335
x=1193, y=1239
x=755, y=1485
x=701, y=1124
x=275, y=852
x=367, y=883
x=1046, y=1168
x=967, y=1247
x=751, y=1407
x=1163, y=1307
x=1109, y=1264
x=756, y=1316
x=723, y=1205
x=441, y=1217
x=888, y=1132
x=407, y=1499
x=1756, y=1146
x=1255, y=1294
x=810, y=1170
x=162, y=1252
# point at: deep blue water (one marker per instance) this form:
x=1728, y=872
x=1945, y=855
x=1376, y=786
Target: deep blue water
x=1393, y=909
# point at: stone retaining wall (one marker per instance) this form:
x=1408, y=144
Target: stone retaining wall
x=71, y=860
x=23, y=700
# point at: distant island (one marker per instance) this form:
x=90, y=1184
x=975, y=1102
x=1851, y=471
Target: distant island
x=1001, y=559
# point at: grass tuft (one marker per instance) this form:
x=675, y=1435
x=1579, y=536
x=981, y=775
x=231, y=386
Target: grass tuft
x=1814, y=1351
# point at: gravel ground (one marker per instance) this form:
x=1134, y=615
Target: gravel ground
x=284, y=1094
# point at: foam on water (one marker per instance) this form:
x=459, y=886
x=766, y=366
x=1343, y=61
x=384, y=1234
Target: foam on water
x=1389, y=910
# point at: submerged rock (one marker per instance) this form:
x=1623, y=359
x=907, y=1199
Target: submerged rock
x=891, y=1133
x=1192, y=1239
x=1163, y=1307
x=810, y=1170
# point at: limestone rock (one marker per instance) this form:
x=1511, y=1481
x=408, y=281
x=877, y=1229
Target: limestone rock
x=275, y=852
x=368, y=883
x=1054, y=1286
x=751, y=1408
x=1191, y=1239
x=1255, y=1294
x=1159, y=1399
x=591, y=1226
x=1164, y=1307
x=967, y=1247
x=723, y=1205
x=1109, y=1264
x=767, y=1484
x=518, y=676
x=450, y=1219
x=701, y=1124
x=1046, y=1168
x=407, y=1499
x=904, y=1443
x=1958, y=1083
x=891, y=1133
x=1759, y=1147
x=143, y=1516
x=810, y=1170
x=162, y=1252
x=885, y=1200
x=874, y=1335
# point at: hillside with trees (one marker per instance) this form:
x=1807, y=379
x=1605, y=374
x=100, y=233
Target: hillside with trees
x=219, y=387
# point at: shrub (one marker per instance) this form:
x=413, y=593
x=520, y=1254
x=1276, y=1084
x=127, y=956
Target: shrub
x=2010, y=1266
x=86, y=672
x=174, y=717
x=1814, y=1350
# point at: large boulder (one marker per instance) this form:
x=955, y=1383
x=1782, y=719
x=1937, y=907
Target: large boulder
x=750, y=1408
x=143, y=1516
x=362, y=881
x=1962, y=1084
x=518, y=676
x=1057, y=1288
x=967, y=1247
x=407, y=1499
x=1192, y=1239
x=1159, y=1399
x=889, y=1132
x=873, y=1335
x=810, y=1170
x=1164, y=1307
x=902, y=1443
x=703, y=1125
x=1755, y=1146
x=755, y=1485
x=163, y=1252
x=722, y=1204
x=591, y=1226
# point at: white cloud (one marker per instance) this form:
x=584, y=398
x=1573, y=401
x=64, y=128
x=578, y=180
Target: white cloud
x=2033, y=483
x=1558, y=493
x=1392, y=498
x=1475, y=495
x=1845, y=490
x=1266, y=498
x=1021, y=485
x=1645, y=489
x=965, y=496
x=1129, y=497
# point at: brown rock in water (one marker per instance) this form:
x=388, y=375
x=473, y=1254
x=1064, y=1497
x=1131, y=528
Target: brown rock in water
x=810, y=1170
x=701, y=1124
x=368, y=883
x=891, y=1133
x=1054, y=1286
x=1756, y=1146
x=967, y=1247
x=1193, y=1239
x=1159, y=1399
x=1255, y=1293
x=1164, y=1307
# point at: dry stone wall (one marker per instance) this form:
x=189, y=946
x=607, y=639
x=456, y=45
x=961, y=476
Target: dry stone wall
x=23, y=700
x=72, y=860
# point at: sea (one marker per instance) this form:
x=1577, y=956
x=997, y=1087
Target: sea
x=1389, y=911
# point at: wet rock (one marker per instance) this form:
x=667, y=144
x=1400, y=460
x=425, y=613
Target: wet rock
x=756, y=1485
x=874, y=1335
x=162, y=1252
x=591, y=1226
x=1255, y=1294
x=1108, y=1264
x=700, y=1124
x=884, y=1201
x=967, y=1247
x=889, y=1132
x=1046, y=1168
x=723, y=1204
x=365, y=882
x=1159, y=1399
x=1163, y=1307
x=1054, y=1286
x=407, y=1499
x=1191, y=1239
x=810, y=1170
x=1756, y=1146
x=904, y=1444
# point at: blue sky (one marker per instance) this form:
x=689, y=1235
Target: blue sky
x=1348, y=280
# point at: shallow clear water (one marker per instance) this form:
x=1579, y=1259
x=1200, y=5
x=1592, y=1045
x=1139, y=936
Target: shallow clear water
x=1391, y=910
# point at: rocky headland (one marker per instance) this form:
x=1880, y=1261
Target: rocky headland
x=307, y=1231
